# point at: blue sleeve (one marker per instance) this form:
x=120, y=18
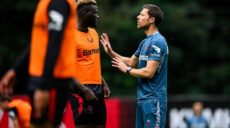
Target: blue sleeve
x=156, y=50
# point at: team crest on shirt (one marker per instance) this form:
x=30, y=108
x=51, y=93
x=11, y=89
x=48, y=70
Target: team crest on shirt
x=156, y=48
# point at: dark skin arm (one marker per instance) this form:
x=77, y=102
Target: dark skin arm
x=106, y=89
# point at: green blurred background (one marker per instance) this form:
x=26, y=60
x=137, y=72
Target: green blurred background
x=197, y=32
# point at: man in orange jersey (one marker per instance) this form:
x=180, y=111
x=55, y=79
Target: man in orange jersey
x=88, y=67
x=50, y=60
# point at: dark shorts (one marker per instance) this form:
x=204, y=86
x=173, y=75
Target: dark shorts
x=54, y=111
x=93, y=112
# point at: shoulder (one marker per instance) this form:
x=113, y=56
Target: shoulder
x=159, y=41
x=92, y=30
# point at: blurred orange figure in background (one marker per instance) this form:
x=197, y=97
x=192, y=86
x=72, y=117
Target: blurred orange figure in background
x=23, y=109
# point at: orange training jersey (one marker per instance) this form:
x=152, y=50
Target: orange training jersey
x=24, y=111
x=64, y=66
x=88, y=63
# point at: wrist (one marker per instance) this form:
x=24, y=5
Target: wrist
x=128, y=69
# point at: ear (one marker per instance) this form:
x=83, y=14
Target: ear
x=152, y=20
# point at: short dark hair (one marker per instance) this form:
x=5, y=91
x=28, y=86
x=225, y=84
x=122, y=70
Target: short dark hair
x=155, y=11
x=81, y=9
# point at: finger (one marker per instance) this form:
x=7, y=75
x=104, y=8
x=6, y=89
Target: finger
x=116, y=66
x=106, y=95
x=106, y=36
x=117, y=58
x=101, y=40
x=103, y=36
x=114, y=59
x=115, y=63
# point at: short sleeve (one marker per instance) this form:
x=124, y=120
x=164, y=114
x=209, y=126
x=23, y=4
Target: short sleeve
x=156, y=51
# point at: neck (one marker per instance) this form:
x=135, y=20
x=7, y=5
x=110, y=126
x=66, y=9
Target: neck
x=82, y=27
x=150, y=30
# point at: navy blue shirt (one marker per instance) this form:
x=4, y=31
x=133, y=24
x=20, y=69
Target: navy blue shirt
x=153, y=47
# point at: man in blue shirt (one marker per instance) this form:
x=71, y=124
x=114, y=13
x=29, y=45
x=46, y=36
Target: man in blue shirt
x=152, y=59
x=197, y=120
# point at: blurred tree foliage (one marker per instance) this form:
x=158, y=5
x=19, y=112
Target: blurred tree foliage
x=197, y=33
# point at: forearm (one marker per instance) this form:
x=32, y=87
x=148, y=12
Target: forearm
x=142, y=73
x=104, y=83
x=126, y=60
x=146, y=72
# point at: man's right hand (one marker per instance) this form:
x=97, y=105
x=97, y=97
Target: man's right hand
x=106, y=44
x=7, y=81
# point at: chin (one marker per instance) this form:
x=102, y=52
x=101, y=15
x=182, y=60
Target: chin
x=140, y=27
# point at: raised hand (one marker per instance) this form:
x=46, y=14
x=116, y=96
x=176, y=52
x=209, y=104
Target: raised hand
x=106, y=44
x=7, y=81
x=118, y=63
